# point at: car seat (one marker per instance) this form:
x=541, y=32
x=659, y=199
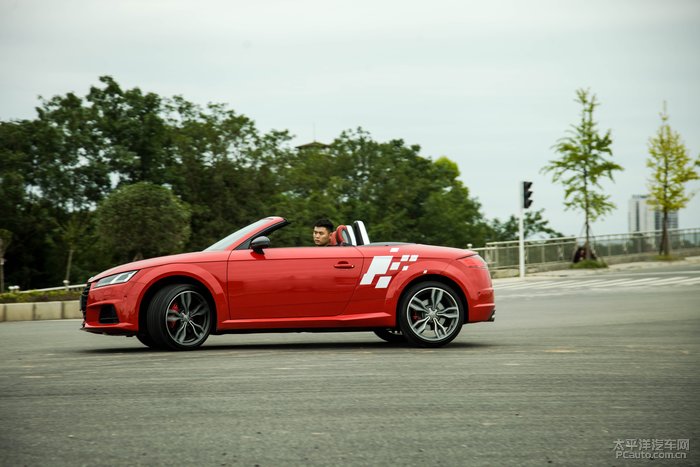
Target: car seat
x=342, y=236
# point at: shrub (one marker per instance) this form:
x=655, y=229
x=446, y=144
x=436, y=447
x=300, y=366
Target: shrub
x=589, y=264
x=30, y=297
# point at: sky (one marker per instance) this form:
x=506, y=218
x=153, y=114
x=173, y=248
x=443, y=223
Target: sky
x=489, y=84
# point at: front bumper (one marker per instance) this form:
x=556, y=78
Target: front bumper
x=112, y=309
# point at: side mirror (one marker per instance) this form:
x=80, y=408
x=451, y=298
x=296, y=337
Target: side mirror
x=259, y=244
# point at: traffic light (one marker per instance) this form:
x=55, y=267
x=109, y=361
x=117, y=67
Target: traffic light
x=527, y=194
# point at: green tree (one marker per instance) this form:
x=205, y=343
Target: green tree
x=141, y=221
x=671, y=169
x=69, y=170
x=59, y=172
x=450, y=216
x=533, y=223
x=23, y=209
x=132, y=126
x=583, y=165
x=71, y=233
x=222, y=167
x=398, y=193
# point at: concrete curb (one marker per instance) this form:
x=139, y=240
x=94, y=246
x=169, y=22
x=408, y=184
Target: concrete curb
x=40, y=311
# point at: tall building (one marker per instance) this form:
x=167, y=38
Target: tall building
x=644, y=218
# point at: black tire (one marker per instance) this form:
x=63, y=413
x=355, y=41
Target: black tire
x=146, y=340
x=431, y=314
x=391, y=335
x=179, y=317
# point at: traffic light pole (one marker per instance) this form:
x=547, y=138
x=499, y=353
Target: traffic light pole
x=521, y=242
x=525, y=202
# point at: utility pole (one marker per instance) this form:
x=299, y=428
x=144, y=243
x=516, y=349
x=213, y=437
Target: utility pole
x=525, y=202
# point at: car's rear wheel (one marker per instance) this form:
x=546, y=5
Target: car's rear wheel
x=179, y=317
x=430, y=314
x=391, y=335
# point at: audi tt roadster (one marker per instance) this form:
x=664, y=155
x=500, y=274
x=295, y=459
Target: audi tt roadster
x=403, y=292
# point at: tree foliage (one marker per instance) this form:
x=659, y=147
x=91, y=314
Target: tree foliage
x=671, y=168
x=142, y=220
x=119, y=173
x=583, y=164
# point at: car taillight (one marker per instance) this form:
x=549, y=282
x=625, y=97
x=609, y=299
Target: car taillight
x=474, y=261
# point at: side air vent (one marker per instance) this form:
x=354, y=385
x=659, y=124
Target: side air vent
x=108, y=315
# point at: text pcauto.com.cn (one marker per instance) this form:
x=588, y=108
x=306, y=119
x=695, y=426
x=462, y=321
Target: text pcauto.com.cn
x=637, y=448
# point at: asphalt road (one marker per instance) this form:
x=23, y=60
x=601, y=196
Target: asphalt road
x=558, y=379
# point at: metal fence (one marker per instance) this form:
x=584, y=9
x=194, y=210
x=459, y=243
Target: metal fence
x=560, y=251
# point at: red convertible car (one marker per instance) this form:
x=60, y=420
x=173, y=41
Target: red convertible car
x=401, y=291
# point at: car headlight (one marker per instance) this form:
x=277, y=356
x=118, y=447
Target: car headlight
x=116, y=278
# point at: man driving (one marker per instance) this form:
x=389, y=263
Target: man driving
x=322, y=232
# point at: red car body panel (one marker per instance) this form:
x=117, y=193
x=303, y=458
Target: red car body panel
x=304, y=288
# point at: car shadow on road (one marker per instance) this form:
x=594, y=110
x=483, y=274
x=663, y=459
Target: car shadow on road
x=293, y=346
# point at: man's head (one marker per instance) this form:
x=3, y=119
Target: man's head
x=322, y=232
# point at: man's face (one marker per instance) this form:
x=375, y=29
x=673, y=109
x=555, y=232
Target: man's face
x=322, y=236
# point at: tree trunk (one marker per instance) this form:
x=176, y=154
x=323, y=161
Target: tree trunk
x=665, y=246
x=70, y=261
x=587, y=244
x=2, y=266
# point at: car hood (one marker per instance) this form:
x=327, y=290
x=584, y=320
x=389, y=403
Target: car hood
x=196, y=257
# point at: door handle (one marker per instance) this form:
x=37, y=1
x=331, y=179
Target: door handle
x=343, y=265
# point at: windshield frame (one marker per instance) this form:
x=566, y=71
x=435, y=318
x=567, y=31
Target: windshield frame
x=248, y=232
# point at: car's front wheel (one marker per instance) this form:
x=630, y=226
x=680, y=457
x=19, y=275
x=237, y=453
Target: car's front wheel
x=179, y=317
x=430, y=314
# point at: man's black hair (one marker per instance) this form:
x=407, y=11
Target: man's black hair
x=324, y=223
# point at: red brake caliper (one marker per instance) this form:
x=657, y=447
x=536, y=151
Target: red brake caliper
x=176, y=309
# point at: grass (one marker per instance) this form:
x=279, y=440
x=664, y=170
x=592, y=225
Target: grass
x=667, y=258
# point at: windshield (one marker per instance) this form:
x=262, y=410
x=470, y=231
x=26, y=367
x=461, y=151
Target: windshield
x=237, y=235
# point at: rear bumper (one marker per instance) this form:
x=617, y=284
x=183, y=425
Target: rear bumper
x=482, y=312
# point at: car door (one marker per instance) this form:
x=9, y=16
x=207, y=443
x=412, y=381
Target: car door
x=292, y=282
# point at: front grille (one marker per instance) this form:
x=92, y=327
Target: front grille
x=84, y=299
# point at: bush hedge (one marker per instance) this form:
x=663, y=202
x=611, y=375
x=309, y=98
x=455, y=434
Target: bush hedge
x=31, y=297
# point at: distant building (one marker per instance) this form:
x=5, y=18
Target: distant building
x=644, y=218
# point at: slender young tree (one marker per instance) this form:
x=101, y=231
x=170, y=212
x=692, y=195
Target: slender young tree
x=671, y=168
x=583, y=165
x=71, y=233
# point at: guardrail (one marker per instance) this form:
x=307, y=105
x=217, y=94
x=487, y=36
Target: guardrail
x=553, y=252
x=51, y=289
